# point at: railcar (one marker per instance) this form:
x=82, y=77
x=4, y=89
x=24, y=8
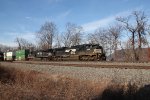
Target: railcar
x=22, y=54
x=9, y=56
x=1, y=56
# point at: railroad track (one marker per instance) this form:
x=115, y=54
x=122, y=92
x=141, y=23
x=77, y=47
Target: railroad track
x=95, y=64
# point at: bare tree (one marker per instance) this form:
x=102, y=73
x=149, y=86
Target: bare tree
x=115, y=33
x=58, y=43
x=98, y=37
x=126, y=50
x=66, y=38
x=92, y=39
x=24, y=44
x=18, y=41
x=136, y=24
x=132, y=29
x=4, y=48
x=77, y=36
x=46, y=35
x=141, y=21
x=72, y=35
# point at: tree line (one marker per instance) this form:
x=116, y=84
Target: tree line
x=135, y=28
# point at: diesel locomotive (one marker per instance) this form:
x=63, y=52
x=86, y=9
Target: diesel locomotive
x=85, y=52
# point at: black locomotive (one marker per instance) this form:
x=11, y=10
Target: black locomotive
x=85, y=52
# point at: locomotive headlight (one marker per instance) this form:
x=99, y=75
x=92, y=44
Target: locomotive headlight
x=97, y=51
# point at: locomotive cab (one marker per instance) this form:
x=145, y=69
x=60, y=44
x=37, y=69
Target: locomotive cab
x=87, y=52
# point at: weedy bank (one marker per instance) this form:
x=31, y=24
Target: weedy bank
x=16, y=84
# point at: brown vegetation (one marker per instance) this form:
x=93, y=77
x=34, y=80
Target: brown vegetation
x=18, y=84
x=30, y=85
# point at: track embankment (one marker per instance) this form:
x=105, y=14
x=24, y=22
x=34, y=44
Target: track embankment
x=86, y=72
x=95, y=64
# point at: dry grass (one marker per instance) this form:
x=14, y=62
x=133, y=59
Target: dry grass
x=18, y=84
x=30, y=85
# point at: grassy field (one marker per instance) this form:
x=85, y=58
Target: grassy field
x=18, y=84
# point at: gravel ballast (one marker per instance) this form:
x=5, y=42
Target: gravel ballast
x=137, y=76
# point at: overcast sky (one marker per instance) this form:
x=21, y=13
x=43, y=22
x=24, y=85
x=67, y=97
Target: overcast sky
x=22, y=18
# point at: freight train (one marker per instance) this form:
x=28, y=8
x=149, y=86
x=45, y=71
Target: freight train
x=85, y=52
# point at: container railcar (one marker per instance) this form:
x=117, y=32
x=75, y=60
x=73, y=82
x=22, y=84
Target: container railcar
x=1, y=56
x=22, y=54
x=10, y=56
